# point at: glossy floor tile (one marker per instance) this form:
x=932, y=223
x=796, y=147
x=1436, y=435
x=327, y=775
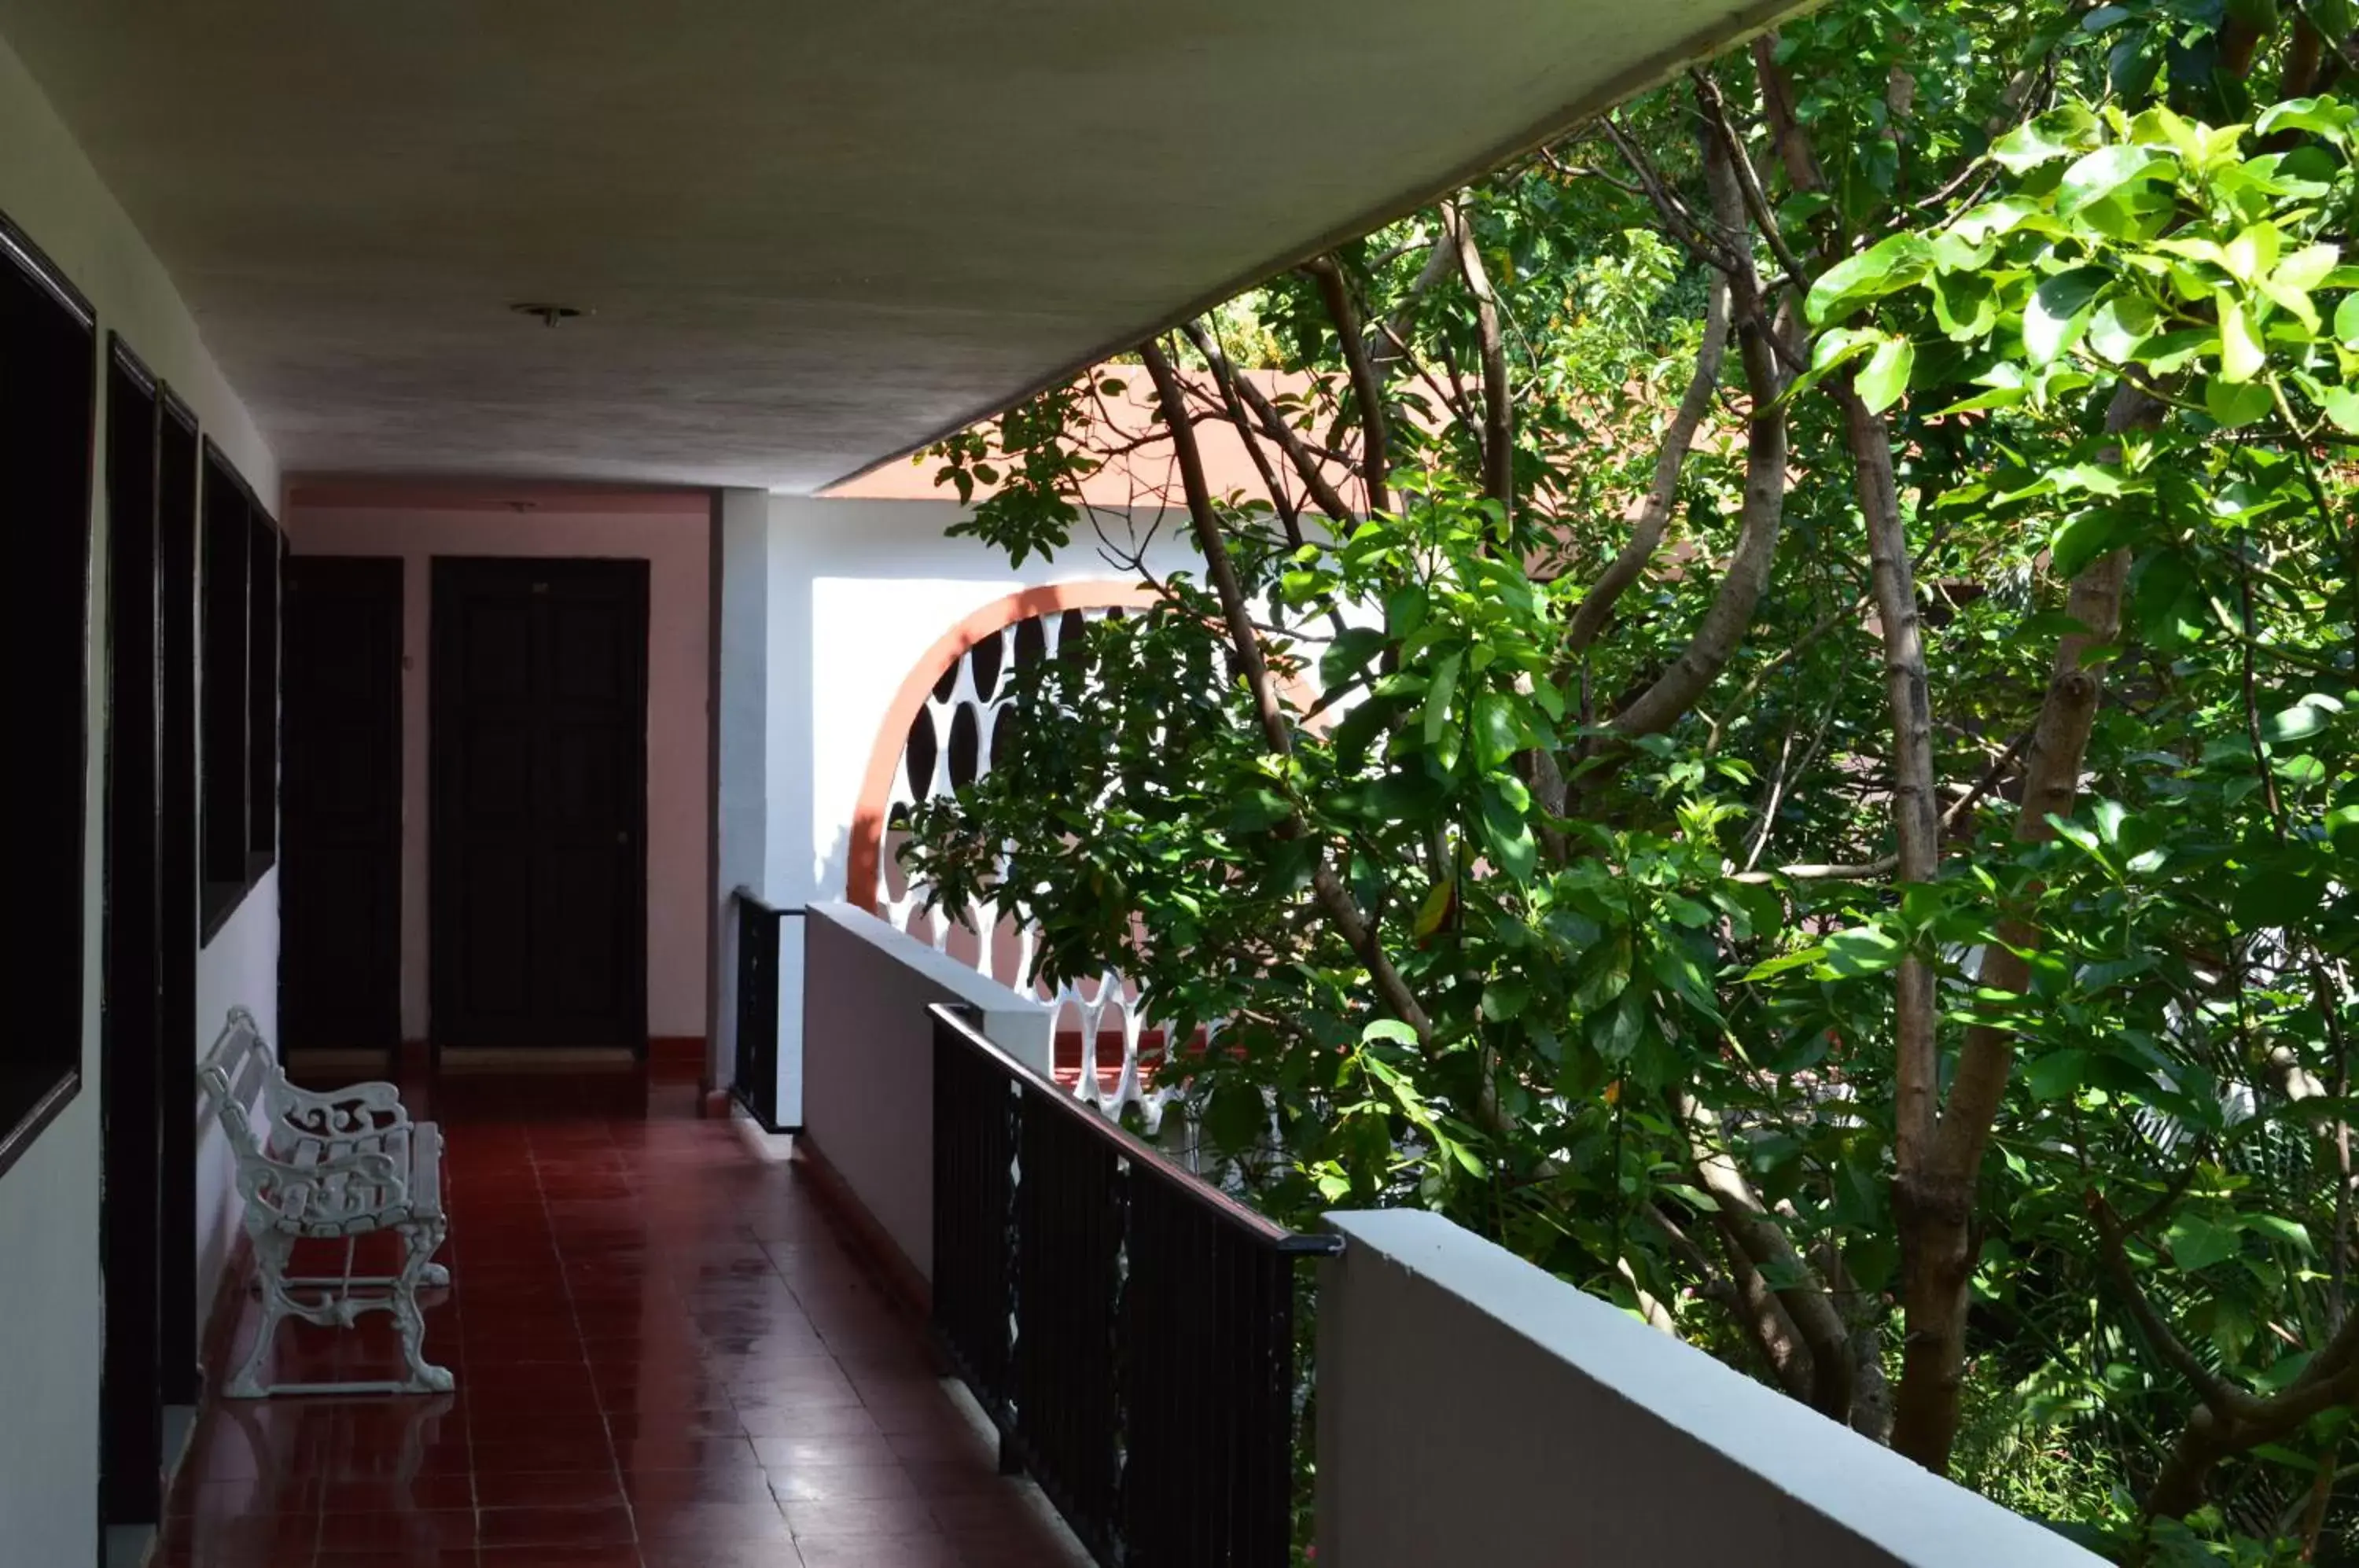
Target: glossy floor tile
x=667, y=1357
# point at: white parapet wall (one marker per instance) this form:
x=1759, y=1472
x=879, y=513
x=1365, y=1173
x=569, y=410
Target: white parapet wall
x=868, y=1061
x=1474, y=1408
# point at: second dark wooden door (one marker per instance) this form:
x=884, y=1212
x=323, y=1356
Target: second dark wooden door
x=340, y=882
x=537, y=859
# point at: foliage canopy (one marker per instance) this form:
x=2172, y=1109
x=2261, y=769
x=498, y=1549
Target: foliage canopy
x=1779, y=737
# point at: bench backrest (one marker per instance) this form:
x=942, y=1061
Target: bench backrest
x=233, y=1077
x=295, y=1177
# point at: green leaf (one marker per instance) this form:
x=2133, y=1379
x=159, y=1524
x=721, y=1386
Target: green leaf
x=2121, y=326
x=1505, y=997
x=1235, y=1117
x=1391, y=1030
x=1258, y=809
x=1862, y=949
x=2002, y=397
x=2099, y=174
x=2232, y=406
x=1436, y=713
x=1833, y=349
x=2321, y=116
x=2197, y=1241
x=1497, y=736
x=2057, y=134
x=1885, y=378
x=2341, y=406
x=1621, y=1028
x=2241, y=354
x=2083, y=539
x=2060, y=309
x=1348, y=655
x=1507, y=832
x=2277, y=1227
x=1784, y=962
x=2306, y=268
x=2301, y=721
x=2346, y=321
x=2056, y=1074
x=1890, y=264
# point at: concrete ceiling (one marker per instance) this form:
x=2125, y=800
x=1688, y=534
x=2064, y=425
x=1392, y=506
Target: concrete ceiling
x=812, y=235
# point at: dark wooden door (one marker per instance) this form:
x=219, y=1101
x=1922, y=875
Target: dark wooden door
x=339, y=878
x=537, y=855
x=131, y=1044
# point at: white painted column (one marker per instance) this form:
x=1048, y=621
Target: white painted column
x=740, y=782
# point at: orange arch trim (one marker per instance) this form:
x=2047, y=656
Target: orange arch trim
x=868, y=814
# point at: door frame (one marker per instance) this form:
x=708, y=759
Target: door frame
x=384, y=575
x=132, y=1047
x=179, y=458
x=448, y=578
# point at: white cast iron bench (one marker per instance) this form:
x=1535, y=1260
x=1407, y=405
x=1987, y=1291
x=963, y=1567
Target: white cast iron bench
x=327, y=1167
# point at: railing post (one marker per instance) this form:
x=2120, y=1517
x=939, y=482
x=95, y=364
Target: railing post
x=756, y=1005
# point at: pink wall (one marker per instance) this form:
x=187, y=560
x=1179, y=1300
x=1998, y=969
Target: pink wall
x=670, y=532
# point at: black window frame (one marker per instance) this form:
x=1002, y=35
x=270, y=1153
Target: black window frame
x=239, y=548
x=49, y=418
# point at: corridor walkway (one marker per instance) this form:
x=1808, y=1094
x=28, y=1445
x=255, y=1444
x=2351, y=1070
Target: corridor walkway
x=667, y=1358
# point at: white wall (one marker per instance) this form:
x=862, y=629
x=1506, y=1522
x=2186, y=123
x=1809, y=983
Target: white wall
x=868, y=1079
x=676, y=544
x=740, y=795
x=859, y=590
x=854, y=594
x=1475, y=1409
x=48, y=1201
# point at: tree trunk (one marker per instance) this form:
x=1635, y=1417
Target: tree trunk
x=1933, y=1208
x=1939, y=1158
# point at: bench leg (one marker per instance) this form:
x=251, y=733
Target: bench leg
x=271, y=1249
x=421, y=1239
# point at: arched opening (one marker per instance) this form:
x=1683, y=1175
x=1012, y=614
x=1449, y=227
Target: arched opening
x=944, y=731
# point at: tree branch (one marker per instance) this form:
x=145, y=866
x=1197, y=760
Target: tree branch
x=1388, y=340
x=1334, y=900
x=1306, y=463
x=1763, y=1242
x=1375, y=455
x=1498, y=404
x=1648, y=514
x=1763, y=512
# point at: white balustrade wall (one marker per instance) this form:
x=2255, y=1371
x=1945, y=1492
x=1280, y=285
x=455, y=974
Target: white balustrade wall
x=1475, y=1409
x=868, y=1065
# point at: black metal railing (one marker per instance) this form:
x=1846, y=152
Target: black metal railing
x=756, y=1079
x=1128, y=1327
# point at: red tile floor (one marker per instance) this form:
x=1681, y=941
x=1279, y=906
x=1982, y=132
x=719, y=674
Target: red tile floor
x=667, y=1357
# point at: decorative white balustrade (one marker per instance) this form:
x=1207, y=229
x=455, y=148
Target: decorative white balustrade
x=951, y=742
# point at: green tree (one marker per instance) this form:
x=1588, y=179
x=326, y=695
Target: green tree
x=1779, y=737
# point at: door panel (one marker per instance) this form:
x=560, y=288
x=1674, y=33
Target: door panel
x=539, y=760
x=341, y=881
